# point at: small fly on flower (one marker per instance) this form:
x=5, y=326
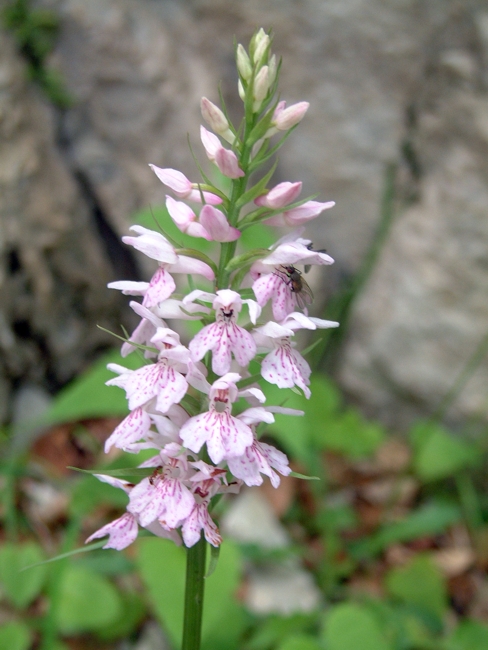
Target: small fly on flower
x=293, y=278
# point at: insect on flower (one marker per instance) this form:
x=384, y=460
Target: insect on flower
x=293, y=278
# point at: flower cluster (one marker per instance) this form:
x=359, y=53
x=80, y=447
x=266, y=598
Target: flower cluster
x=198, y=407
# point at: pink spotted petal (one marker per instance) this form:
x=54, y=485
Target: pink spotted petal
x=200, y=519
x=172, y=391
x=122, y=532
x=179, y=502
x=161, y=287
x=206, y=339
x=144, y=384
x=221, y=353
x=280, y=367
x=242, y=344
x=134, y=427
x=264, y=287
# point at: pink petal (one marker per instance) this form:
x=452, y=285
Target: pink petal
x=174, y=179
x=152, y=243
x=228, y=164
x=210, y=142
x=242, y=344
x=305, y=212
x=144, y=384
x=122, y=532
x=281, y=195
x=205, y=340
x=132, y=428
x=129, y=288
x=200, y=519
x=161, y=287
x=172, y=391
x=280, y=367
x=180, y=212
x=215, y=223
x=179, y=502
x=192, y=266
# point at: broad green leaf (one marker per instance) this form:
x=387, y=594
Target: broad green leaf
x=88, y=396
x=351, y=435
x=352, y=627
x=440, y=455
x=276, y=629
x=87, y=601
x=429, y=519
x=21, y=588
x=15, y=636
x=132, y=612
x=300, y=642
x=469, y=635
x=419, y=583
x=162, y=566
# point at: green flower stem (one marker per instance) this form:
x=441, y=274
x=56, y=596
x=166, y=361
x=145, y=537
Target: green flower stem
x=194, y=589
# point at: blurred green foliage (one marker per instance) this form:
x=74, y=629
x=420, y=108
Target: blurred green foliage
x=106, y=595
x=35, y=31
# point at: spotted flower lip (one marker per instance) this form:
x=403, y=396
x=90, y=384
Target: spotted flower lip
x=259, y=458
x=224, y=337
x=226, y=436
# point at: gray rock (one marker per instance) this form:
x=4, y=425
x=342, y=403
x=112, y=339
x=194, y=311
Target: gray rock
x=420, y=320
x=381, y=79
x=53, y=269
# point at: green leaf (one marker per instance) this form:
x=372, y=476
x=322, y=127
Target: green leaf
x=429, y=519
x=470, y=635
x=419, y=583
x=84, y=549
x=15, y=636
x=162, y=567
x=300, y=642
x=214, y=558
x=276, y=629
x=352, y=627
x=87, y=601
x=21, y=588
x=132, y=612
x=440, y=455
x=350, y=434
x=88, y=396
x=122, y=472
x=303, y=477
x=246, y=258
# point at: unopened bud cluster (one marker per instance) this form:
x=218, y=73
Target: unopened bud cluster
x=181, y=401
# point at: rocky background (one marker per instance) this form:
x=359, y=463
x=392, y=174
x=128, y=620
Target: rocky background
x=399, y=108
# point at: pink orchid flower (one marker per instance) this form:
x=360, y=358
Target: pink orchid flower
x=224, y=337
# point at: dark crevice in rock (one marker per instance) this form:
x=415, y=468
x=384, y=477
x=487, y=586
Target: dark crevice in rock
x=121, y=258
